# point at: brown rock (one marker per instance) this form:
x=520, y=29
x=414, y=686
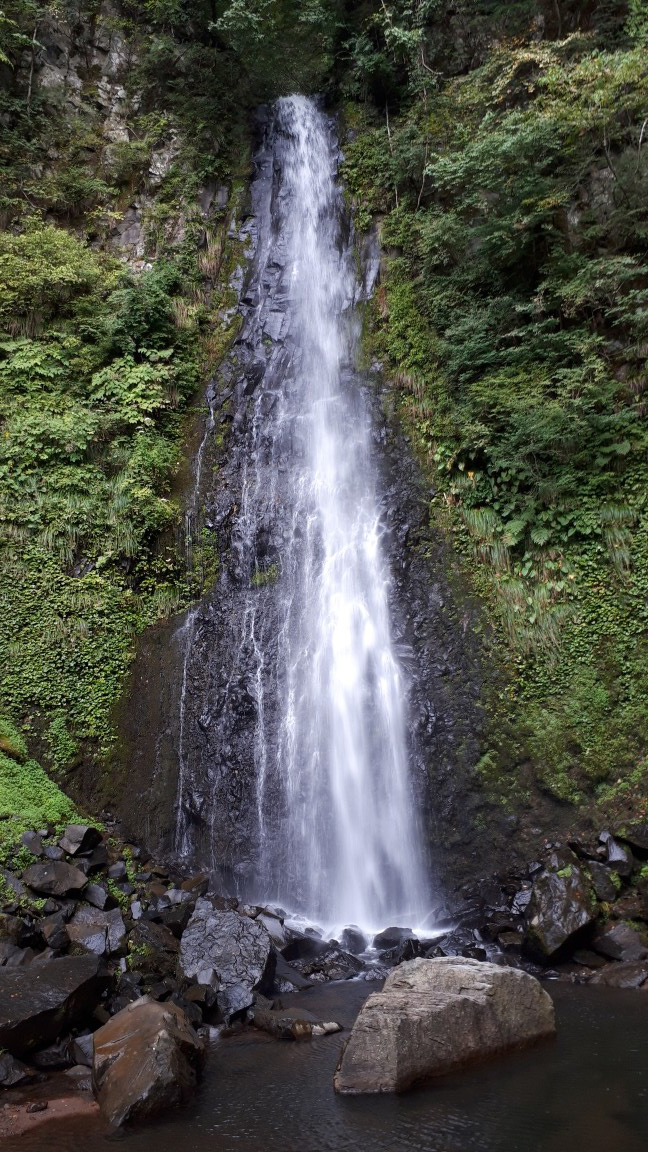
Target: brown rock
x=39, y=1004
x=147, y=1059
x=197, y=885
x=622, y=975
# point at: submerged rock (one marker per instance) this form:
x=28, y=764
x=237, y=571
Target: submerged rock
x=38, y=1004
x=231, y=953
x=630, y=975
x=292, y=1023
x=147, y=1059
x=432, y=1016
x=285, y=1024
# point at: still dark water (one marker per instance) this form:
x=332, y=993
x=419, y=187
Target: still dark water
x=585, y=1092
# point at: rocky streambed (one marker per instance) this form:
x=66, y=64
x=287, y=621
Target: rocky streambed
x=92, y=930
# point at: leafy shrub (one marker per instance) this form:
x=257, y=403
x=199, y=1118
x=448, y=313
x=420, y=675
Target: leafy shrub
x=41, y=271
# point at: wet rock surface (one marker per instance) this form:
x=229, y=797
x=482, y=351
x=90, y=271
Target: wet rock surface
x=55, y=878
x=435, y=623
x=561, y=907
x=13, y=1071
x=147, y=1059
x=229, y=952
x=39, y=1004
x=433, y=1016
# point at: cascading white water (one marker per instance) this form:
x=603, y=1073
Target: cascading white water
x=350, y=823
x=295, y=780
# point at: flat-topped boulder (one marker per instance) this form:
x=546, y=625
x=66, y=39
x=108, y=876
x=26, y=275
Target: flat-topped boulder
x=56, y=878
x=38, y=1004
x=432, y=1016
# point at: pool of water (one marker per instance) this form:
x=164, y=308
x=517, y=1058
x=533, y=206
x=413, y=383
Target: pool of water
x=587, y=1091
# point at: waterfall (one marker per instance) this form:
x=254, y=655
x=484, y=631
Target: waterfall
x=308, y=586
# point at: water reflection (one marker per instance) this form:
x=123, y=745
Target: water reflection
x=585, y=1092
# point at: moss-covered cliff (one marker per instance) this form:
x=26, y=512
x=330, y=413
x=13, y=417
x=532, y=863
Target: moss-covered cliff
x=504, y=149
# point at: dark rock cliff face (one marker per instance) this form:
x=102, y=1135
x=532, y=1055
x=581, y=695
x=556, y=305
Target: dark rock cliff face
x=185, y=778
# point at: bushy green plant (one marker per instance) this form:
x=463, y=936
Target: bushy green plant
x=28, y=799
x=514, y=318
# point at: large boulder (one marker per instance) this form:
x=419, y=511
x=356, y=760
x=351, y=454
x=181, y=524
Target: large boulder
x=38, y=1004
x=56, y=878
x=561, y=908
x=433, y=1016
x=231, y=953
x=147, y=1059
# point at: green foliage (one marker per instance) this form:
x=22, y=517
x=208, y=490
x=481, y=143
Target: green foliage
x=283, y=45
x=94, y=373
x=28, y=799
x=12, y=742
x=262, y=577
x=42, y=271
x=514, y=317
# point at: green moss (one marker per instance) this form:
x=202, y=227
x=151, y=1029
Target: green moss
x=262, y=577
x=29, y=799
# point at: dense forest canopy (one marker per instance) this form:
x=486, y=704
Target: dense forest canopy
x=503, y=150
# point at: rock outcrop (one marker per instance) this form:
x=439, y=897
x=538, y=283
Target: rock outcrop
x=433, y=1016
x=147, y=1059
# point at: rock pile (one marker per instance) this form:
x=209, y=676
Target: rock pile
x=89, y=928
x=579, y=913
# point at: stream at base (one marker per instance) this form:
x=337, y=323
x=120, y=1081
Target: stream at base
x=585, y=1092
